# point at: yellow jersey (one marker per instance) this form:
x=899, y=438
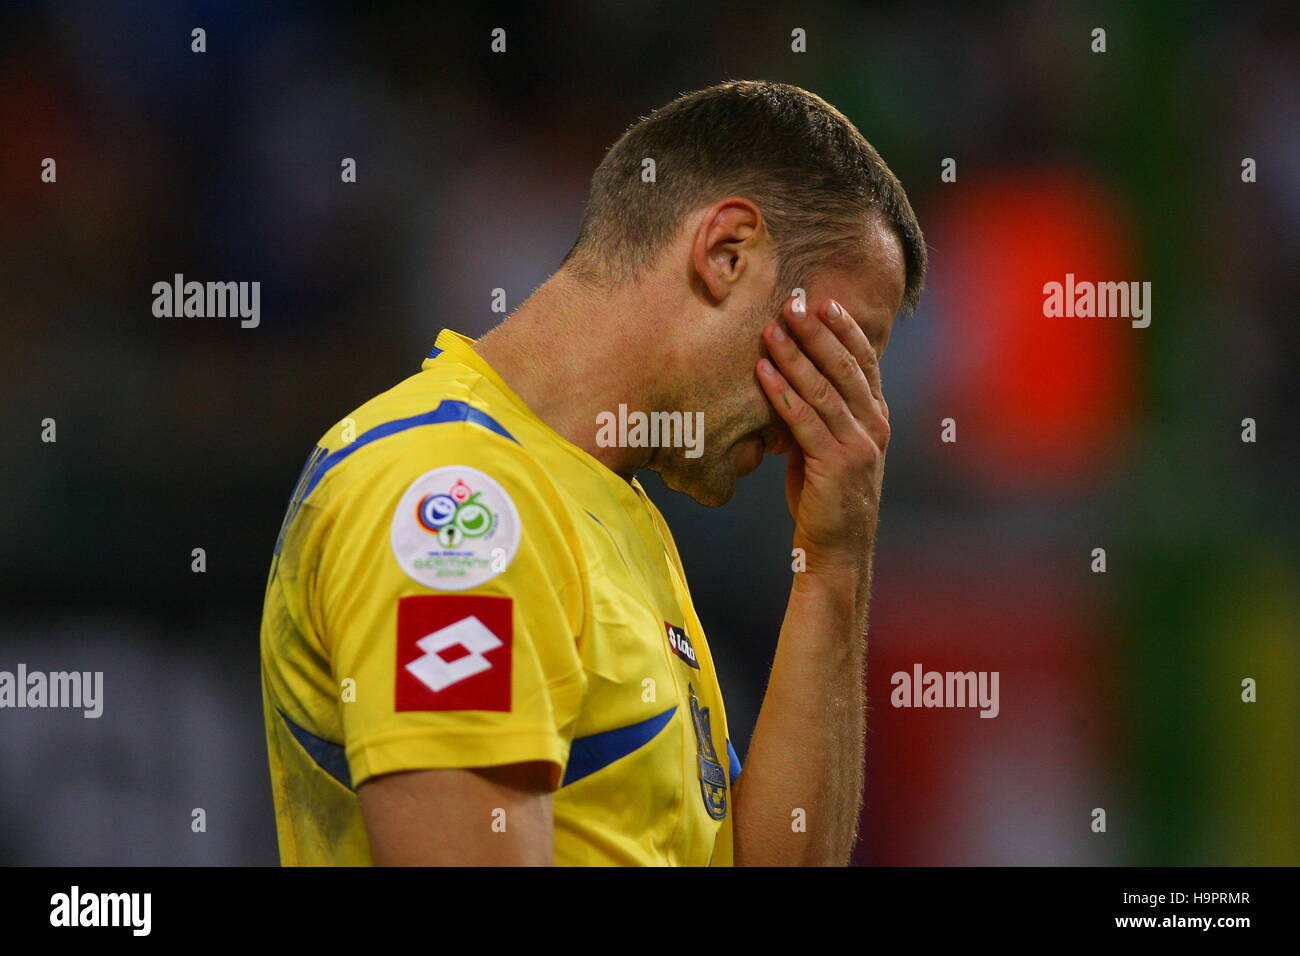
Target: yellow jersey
x=456, y=585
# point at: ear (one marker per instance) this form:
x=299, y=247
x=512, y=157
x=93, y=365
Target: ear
x=727, y=238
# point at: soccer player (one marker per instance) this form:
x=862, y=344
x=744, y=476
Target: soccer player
x=478, y=645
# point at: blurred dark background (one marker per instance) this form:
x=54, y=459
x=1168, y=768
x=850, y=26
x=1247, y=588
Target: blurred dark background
x=1119, y=690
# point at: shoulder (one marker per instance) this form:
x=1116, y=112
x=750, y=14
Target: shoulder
x=388, y=444
x=450, y=491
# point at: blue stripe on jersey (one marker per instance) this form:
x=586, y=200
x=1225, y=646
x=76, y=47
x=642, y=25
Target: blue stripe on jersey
x=435, y=352
x=733, y=764
x=449, y=410
x=598, y=751
x=295, y=500
x=329, y=757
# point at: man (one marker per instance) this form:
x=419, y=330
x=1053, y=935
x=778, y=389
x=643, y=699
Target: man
x=478, y=645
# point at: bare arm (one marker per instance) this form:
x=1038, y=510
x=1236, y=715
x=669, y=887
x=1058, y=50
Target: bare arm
x=491, y=816
x=798, y=800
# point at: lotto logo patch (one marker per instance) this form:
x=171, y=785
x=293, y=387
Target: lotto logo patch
x=681, y=644
x=453, y=652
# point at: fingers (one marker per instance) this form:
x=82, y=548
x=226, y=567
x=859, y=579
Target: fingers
x=813, y=388
x=832, y=349
x=807, y=427
x=850, y=334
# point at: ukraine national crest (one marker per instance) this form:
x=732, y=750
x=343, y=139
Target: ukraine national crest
x=713, y=779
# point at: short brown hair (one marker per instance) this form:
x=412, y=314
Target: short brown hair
x=815, y=178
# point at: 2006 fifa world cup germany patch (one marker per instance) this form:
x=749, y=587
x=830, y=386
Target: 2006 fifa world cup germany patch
x=455, y=528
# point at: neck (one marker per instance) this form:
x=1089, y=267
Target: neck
x=571, y=353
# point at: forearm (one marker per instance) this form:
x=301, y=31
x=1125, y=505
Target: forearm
x=798, y=799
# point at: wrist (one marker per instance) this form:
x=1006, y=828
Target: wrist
x=835, y=561
x=831, y=578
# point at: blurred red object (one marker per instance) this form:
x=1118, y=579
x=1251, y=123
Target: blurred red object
x=1037, y=400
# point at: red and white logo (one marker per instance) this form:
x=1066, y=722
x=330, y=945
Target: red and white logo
x=453, y=652
x=681, y=644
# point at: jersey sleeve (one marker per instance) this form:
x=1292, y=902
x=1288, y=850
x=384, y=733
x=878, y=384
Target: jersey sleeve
x=449, y=598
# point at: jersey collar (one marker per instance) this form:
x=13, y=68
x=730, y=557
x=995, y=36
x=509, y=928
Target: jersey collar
x=459, y=349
